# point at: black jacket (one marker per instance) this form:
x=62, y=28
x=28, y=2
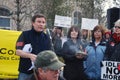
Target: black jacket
x=39, y=42
x=112, y=52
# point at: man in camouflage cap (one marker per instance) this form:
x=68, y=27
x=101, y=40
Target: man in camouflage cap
x=47, y=66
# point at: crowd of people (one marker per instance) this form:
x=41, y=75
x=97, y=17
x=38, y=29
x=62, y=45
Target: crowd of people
x=82, y=56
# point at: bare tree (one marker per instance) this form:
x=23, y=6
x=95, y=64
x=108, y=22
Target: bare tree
x=49, y=8
x=23, y=13
x=26, y=8
x=99, y=11
x=117, y=3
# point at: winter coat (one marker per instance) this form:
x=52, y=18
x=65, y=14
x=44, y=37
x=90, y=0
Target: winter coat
x=74, y=67
x=112, y=52
x=92, y=64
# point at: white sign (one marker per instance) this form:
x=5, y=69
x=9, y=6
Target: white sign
x=62, y=21
x=89, y=24
x=110, y=70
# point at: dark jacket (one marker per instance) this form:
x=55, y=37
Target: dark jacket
x=112, y=52
x=57, y=42
x=74, y=67
x=39, y=42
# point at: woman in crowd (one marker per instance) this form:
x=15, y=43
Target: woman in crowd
x=84, y=37
x=107, y=35
x=112, y=52
x=57, y=40
x=74, y=63
x=95, y=51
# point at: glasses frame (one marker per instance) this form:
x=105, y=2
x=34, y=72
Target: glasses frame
x=117, y=27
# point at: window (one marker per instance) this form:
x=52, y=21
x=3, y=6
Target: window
x=4, y=18
x=4, y=21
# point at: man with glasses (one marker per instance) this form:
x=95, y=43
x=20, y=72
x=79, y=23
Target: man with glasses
x=46, y=66
x=112, y=52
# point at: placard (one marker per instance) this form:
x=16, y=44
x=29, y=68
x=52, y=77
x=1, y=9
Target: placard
x=110, y=70
x=62, y=21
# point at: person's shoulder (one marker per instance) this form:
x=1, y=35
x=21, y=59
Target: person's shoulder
x=32, y=77
x=46, y=35
x=104, y=43
x=26, y=32
x=67, y=41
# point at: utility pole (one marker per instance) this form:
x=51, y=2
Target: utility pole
x=18, y=14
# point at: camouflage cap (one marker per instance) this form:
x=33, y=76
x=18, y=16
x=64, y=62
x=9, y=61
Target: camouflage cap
x=49, y=60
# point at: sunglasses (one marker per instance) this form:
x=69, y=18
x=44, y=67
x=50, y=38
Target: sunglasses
x=117, y=27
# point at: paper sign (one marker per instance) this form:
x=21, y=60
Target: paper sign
x=62, y=21
x=110, y=70
x=89, y=24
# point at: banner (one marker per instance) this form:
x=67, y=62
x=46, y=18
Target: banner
x=62, y=21
x=110, y=70
x=89, y=24
x=8, y=60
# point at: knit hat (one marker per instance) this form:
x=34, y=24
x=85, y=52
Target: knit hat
x=108, y=33
x=49, y=60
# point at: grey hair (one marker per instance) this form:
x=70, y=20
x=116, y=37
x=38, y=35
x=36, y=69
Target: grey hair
x=117, y=22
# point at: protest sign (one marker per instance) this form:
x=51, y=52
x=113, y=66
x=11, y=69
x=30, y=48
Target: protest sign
x=110, y=70
x=62, y=21
x=89, y=24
